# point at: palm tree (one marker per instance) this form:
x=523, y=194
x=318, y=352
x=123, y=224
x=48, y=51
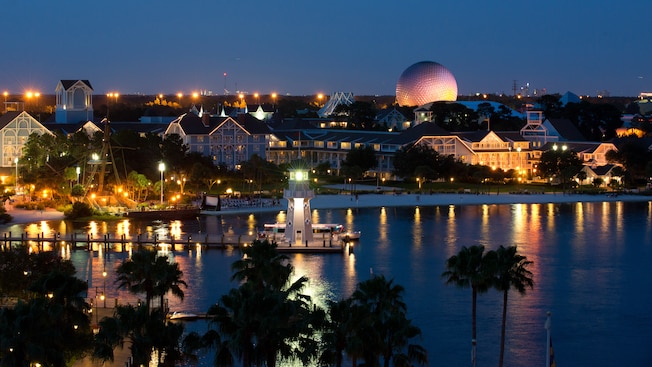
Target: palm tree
x=262, y=266
x=169, y=279
x=342, y=332
x=267, y=317
x=469, y=268
x=511, y=272
x=390, y=331
x=153, y=275
x=146, y=331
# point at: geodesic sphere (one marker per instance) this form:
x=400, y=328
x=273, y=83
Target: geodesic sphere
x=425, y=82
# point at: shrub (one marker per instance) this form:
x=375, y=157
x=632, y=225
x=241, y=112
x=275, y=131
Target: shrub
x=79, y=210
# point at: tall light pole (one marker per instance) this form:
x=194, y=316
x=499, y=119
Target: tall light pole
x=104, y=288
x=16, y=181
x=161, y=167
x=78, y=170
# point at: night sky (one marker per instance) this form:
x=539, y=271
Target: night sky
x=304, y=47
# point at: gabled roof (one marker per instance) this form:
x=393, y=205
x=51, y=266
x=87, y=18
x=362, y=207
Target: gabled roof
x=252, y=124
x=602, y=170
x=566, y=129
x=416, y=132
x=8, y=117
x=472, y=136
x=68, y=83
x=511, y=135
x=194, y=125
x=65, y=129
x=386, y=111
x=577, y=147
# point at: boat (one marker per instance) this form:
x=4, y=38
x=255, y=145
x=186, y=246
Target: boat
x=351, y=235
x=164, y=214
x=182, y=315
x=272, y=229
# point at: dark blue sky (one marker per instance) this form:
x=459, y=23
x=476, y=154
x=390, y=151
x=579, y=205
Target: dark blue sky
x=303, y=47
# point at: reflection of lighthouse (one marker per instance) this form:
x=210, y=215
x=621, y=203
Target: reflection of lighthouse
x=298, y=226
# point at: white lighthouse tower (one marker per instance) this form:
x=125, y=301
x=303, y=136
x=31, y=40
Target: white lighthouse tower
x=298, y=224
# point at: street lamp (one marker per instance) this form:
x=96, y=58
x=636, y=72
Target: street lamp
x=161, y=167
x=78, y=170
x=16, y=181
x=104, y=289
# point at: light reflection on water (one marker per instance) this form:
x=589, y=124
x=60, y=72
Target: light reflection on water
x=590, y=270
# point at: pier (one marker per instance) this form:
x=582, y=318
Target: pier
x=88, y=242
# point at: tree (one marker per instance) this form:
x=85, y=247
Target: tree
x=598, y=181
x=581, y=176
x=144, y=326
x=52, y=327
x=454, y=116
x=389, y=331
x=634, y=155
x=562, y=164
x=408, y=158
x=511, y=273
x=153, y=275
x=360, y=160
x=468, y=269
x=79, y=210
x=342, y=332
x=267, y=317
x=174, y=152
x=147, y=332
x=361, y=116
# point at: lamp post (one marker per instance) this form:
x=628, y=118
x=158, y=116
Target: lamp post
x=104, y=288
x=161, y=167
x=78, y=170
x=97, y=318
x=16, y=181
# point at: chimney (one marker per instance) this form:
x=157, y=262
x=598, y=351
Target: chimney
x=206, y=119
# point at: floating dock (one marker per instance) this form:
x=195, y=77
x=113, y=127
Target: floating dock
x=78, y=241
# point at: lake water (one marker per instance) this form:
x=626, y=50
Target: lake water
x=591, y=270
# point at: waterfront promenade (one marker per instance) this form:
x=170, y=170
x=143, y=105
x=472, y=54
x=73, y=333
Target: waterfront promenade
x=385, y=199
x=389, y=199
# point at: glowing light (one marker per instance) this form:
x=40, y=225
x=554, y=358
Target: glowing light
x=425, y=82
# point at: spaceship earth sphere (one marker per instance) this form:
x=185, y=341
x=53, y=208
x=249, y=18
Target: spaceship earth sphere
x=425, y=82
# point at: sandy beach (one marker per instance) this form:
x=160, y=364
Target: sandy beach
x=21, y=216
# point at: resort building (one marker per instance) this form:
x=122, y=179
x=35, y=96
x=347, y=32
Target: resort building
x=15, y=129
x=226, y=140
x=74, y=101
x=230, y=135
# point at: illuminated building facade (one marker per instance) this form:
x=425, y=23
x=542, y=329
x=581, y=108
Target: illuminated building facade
x=74, y=101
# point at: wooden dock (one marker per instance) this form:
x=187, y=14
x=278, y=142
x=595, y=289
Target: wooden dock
x=108, y=242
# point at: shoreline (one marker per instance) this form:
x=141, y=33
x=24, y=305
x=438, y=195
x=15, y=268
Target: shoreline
x=24, y=216
x=347, y=201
